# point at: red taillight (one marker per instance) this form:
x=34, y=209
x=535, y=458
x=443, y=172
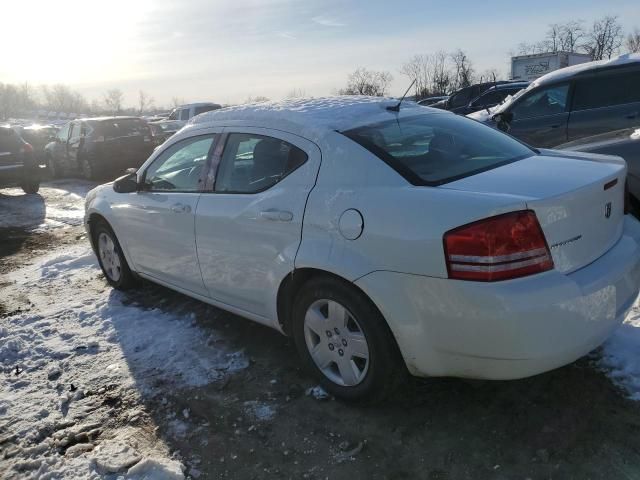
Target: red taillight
x=506, y=246
x=27, y=148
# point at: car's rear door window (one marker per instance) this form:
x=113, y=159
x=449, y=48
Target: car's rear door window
x=544, y=101
x=252, y=163
x=433, y=149
x=604, y=90
x=125, y=127
x=9, y=140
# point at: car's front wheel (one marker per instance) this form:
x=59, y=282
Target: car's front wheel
x=342, y=337
x=30, y=186
x=88, y=171
x=112, y=261
x=52, y=168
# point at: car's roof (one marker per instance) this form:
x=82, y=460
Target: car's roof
x=509, y=86
x=102, y=119
x=569, y=72
x=198, y=104
x=311, y=117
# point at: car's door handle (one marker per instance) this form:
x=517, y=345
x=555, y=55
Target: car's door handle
x=555, y=126
x=274, y=215
x=631, y=116
x=180, y=208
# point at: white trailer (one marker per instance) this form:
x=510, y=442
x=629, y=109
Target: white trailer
x=530, y=67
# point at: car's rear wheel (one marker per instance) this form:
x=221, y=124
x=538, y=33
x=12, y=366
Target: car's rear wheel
x=52, y=168
x=345, y=341
x=30, y=186
x=112, y=261
x=88, y=171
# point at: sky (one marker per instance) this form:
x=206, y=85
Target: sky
x=228, y=50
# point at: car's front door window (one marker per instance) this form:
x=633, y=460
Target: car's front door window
x=180, y=167
x=63, y=135
x=252, y=163
x=546, y=101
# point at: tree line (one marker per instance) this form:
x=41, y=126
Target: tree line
x=441, y=73
x=436, y=73
x=26, y=100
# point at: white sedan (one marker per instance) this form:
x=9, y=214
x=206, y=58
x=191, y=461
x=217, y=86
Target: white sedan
x=382, y=241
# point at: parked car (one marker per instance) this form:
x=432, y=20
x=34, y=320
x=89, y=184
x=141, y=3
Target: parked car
x=17, y=163
x=572, y=103
x=459, y=99
x=184, y=113
x=382, y=241
x=38, y=136
x=99, y=147
x=163, y=130
x=492, y=96
x=623, y=143
x=427, y=102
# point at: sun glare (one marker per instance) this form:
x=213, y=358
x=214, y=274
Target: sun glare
x=71, y=42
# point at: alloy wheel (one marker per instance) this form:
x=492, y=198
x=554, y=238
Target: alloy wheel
x=109, y=257
x=336, y=342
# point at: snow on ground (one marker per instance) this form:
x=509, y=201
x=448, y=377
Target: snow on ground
x=621, y=354
x=82, y=349
x=64, y=205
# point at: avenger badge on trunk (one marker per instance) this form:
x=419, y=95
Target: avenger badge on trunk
x=607, y=210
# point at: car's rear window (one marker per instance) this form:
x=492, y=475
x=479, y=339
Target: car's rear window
x=433, y=149
x=9, y=139
x=125, y=127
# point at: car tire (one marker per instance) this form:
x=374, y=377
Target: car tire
x=52, y=169
x=338, y=330
x=110, y=257
x=87, y=169
x=30, y=186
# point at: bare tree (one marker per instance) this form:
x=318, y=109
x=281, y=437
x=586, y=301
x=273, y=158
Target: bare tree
x=604, y=39
x=297, y=93
x=113, y=100
x=257, y=99
x=571, y=33
x=633, y=41
x=9, y=101
x=176, y=102
x=440, y=74
x=463, y=71
x=417, y=68
x=489, y=75
x=367, y=82
x=145, y=102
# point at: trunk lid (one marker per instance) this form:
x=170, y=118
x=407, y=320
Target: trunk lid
x=578, y=199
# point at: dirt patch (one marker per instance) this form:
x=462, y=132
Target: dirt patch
x=259, y=422
x=17, y=245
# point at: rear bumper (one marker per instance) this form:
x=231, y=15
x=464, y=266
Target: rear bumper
x=512, y=329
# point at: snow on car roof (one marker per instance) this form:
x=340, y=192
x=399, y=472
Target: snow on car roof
x=312, y=115
x=568, y=72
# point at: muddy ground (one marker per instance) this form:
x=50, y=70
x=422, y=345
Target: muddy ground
x=572, y=423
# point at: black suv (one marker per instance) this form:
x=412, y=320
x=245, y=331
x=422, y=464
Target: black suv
x=99, y=147
x=572, y=103
x=17, y=163
x=492, y=97
x=459, y=99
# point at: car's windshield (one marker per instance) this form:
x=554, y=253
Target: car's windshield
x=433, y=149
x=509, y=100
x=125, y=127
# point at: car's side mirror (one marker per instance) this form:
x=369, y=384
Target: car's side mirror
x=126, y=184
x=503, y=120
